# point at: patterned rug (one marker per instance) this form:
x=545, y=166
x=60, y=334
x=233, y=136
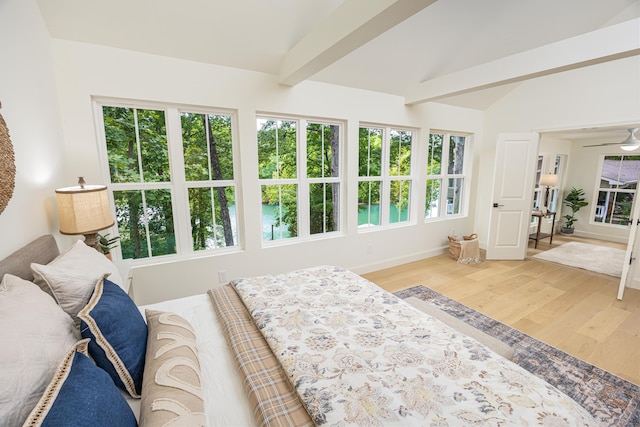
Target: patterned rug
x=610, y=399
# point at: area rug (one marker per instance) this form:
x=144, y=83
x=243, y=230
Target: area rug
x=611, y=400
x=600, y=259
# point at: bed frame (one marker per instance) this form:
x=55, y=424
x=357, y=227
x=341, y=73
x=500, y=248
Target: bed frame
x=41, y=251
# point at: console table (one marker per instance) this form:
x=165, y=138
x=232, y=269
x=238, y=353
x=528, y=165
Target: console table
x=538, y=235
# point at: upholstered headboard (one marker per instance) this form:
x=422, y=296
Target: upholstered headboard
x=41, y=251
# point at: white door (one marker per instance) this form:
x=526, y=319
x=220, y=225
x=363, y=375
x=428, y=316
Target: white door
x=631, y=268
x=513, y=182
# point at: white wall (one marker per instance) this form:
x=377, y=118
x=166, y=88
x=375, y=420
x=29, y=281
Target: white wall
x=604, y=94
x=55, y=141
x=30, y=109
x=584, y=172
x=84, y=70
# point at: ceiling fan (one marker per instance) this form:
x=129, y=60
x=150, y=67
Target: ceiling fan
x=629, y=144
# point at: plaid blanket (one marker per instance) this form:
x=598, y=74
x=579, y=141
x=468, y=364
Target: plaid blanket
x=274, y=400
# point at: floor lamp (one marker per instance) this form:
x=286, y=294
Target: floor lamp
x=548, y=180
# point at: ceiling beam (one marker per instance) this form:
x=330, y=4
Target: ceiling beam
x=350, y=26
x=603, y=45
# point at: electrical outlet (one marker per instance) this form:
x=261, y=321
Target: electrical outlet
x=453, y=231
x=222, y=276
x=369, y=248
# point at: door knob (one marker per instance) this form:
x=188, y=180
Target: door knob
x=495, y=205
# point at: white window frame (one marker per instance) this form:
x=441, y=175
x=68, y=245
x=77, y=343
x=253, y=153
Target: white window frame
x=554, y=164
x=444, y=176
x=597, y=189
x=303, y=182
x=178, y=186
x=386, y=178
x=549, y=164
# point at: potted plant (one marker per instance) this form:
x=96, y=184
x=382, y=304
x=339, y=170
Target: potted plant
x=107, y=243
x=574, y=200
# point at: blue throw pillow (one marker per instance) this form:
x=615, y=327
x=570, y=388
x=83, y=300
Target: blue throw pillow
x=81, y=394
x=118, y=335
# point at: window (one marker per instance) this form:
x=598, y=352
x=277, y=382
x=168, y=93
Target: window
x=299, y=173
x=389, y=186
x=537, y=191
x=370, y=176
x=150, y=177
x=445, y=175
x=208, y=167
x=554, y=192
x=555, y=166
x=616, y=190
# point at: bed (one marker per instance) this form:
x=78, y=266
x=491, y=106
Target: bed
x=317, y=346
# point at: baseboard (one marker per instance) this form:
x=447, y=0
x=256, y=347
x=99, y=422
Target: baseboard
x=599, y=236
x=393, y=262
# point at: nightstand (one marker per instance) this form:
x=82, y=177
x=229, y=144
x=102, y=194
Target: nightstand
x=538, y=235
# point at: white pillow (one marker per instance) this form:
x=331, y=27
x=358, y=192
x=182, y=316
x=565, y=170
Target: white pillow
x=71, y=276
x=35, y=335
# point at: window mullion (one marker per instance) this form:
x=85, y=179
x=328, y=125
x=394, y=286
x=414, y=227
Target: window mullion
x=180, y=192
x=444, y=176
x=145, y=222
x=138, y=147
x=304, y=209
x=385, y=177
x=324, y=186
x=415, y=182
x=207, y=130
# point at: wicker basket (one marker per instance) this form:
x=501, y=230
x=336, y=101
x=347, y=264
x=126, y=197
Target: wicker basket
x=454, y=245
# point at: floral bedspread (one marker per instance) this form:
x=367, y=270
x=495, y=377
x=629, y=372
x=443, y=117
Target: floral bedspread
x=358, y=355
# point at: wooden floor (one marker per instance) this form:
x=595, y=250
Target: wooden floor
x=569, y=308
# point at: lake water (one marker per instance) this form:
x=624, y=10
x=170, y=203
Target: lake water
x=373, y=217
x=269, y=227
x=269, y=230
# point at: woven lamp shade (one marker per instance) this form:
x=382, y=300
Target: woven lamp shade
x=84, y=210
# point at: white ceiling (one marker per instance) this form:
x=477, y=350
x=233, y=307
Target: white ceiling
x=392, y=46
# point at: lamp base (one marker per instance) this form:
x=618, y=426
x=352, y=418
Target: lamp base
x=93, y=241
x=546, y=197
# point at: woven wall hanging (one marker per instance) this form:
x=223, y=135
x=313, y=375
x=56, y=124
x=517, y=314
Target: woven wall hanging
x=7, y=165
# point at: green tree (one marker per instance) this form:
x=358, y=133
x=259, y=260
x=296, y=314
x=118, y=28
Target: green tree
x=137, y=152
x=277, y=161
x=369, y=165
x=208, y=155
x=277, y=151
x=322, y=161
x=434, y=167
x=399, y=165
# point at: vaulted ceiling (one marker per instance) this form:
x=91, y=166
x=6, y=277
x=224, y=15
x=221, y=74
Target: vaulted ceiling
x=461, y=52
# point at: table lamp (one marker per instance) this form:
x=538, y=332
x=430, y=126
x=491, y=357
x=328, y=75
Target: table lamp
x=84, y=209
x=548, y=180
